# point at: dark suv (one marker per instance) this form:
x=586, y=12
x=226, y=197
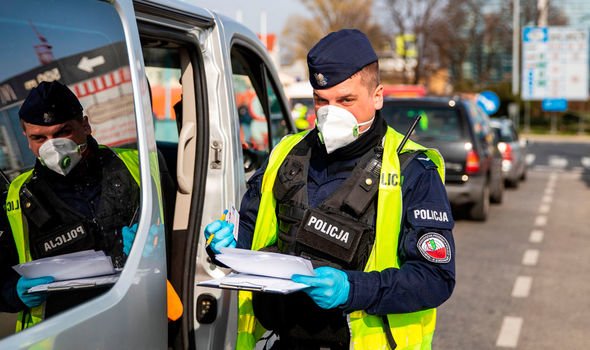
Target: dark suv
x=461, y=131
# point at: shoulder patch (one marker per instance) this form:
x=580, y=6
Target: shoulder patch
x=430, y=215
x=434, y=248
x=425, y=161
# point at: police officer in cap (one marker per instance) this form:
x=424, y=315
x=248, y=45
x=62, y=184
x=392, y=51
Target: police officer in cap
x=79, y=196
x=376, y=224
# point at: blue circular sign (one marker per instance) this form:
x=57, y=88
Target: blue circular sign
x=489, y=101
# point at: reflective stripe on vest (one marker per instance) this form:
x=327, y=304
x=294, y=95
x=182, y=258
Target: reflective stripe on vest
x=411, y=330
x=21, y=235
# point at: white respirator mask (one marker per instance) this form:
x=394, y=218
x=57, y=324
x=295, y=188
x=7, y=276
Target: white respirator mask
x=60, y=154
x=338, y=127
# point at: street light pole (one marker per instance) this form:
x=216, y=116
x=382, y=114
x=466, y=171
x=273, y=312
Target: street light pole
x=516, y=47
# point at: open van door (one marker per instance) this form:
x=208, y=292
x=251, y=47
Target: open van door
x=168, y=79
x=93, y=47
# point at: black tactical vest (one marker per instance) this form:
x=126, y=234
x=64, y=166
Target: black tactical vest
x=341, y=231
x=55, y=227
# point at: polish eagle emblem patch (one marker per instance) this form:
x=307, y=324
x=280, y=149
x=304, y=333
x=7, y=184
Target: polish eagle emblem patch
x=435, y=248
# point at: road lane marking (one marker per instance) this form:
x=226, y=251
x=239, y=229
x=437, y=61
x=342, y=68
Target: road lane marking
x=549, y=190
x=530, y=159
x=530, y=257
x=558, y=162
x=547, y=199
x=541, y=220
x=522, y=287
x=509, y=333
x=553, y=176
x=544, y=208
x=536, y=236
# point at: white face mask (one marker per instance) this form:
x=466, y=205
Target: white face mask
x=338, y=127
x=61, y=155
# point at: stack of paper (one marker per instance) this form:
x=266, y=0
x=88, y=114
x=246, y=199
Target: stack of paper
x=261, y=271
x=77, y=269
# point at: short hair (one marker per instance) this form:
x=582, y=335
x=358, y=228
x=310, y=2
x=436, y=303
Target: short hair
x=370, y=75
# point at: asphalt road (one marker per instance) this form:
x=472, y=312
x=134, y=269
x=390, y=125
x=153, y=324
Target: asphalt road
x=522, y=276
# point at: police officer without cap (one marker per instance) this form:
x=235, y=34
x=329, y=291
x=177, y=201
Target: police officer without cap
x=381, y=243
x=78, y=196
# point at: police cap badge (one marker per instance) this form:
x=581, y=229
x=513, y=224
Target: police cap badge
x=337, y=56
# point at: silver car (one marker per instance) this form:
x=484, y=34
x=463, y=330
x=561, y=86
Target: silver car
x=513, y=151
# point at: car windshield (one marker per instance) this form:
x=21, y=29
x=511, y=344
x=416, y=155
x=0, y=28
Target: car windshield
x=436, y=123
x=504, y=133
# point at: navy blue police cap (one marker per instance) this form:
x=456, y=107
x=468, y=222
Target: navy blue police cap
x=50, y=103
x=338, y=56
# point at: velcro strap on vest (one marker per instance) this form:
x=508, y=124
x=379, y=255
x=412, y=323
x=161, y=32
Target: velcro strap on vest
x=290, y=213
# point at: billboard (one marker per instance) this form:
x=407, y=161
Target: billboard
x=554, y=63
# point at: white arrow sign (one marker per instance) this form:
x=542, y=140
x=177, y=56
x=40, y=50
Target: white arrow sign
x=88, y=64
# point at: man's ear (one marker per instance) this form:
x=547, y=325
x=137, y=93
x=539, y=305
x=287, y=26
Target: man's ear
x=378, y=97
x=86, y=125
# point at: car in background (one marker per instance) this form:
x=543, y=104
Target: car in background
x=514, y=166
x=461, y=131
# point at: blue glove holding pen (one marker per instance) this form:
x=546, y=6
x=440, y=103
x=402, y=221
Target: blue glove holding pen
x=32, y=299
x=220, y=234
x=329, y=287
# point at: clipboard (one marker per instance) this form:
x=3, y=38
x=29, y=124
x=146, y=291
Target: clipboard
x=80, y=283
x=254, y=283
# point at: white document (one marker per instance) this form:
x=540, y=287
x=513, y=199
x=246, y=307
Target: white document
x=269, y=264
x=261, y=271
x=75, y=284
x=233, y=217
x=88, y=263
x=254, y=283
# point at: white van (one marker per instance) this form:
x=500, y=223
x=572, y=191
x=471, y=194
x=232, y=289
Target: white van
x=200, y=67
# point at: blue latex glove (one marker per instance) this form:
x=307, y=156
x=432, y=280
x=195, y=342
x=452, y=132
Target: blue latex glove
x=128, y=237
x=223, y=235
x=32, y=299
x=329, y=287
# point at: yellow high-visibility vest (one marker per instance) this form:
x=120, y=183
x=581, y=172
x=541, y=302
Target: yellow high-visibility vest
x=410, y=330
x=21, y=235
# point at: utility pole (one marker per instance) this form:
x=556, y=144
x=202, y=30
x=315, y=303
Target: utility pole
x=542, y=11
x=516, y=47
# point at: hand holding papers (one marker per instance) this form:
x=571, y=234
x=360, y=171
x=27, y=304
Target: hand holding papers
x=79, y=268
x=261, y=271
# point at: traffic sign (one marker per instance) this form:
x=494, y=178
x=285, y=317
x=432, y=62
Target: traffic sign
x=489, y=101
x=554, y=105
x=554, y=63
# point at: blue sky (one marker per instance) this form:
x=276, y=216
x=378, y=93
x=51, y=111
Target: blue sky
x=277, y=11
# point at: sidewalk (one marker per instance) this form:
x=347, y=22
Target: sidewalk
x=556, y=138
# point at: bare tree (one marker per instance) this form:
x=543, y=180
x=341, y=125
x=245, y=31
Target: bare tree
x=301, y=33
x=417, y=17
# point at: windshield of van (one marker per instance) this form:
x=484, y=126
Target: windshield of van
x=436, y=123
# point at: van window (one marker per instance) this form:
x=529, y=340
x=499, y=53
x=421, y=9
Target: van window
x=88, y=55
x=81, y=45
x=165, y=92
x=262, y=116
x=278, y=124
